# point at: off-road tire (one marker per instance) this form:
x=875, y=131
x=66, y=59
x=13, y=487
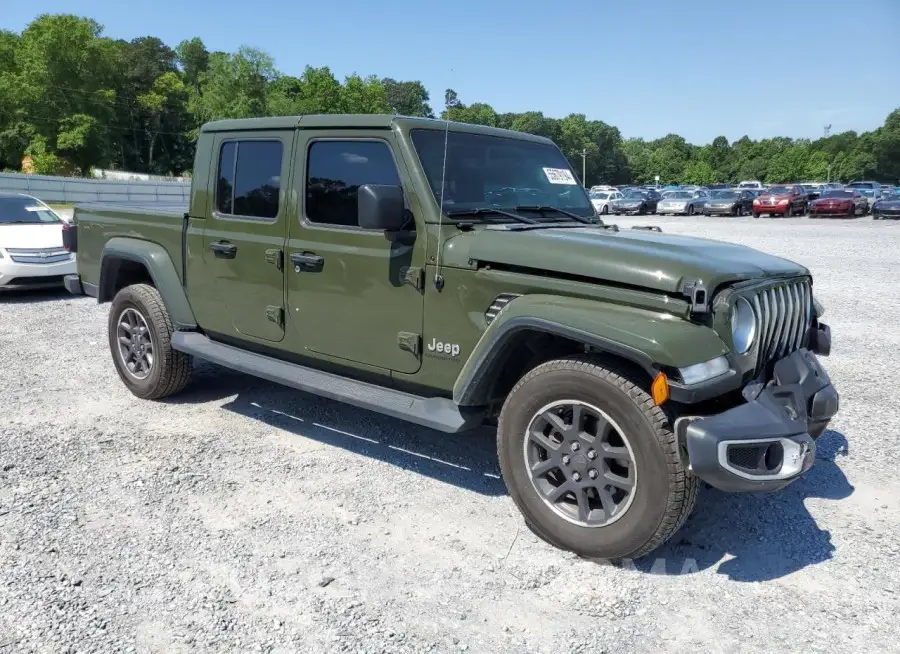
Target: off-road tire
x=664, y=493
x=171, y=369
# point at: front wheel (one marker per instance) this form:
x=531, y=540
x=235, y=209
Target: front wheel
x=140, y=341
x=605, y=211
x=690, y=210
x=591, y=461
x=789, y=211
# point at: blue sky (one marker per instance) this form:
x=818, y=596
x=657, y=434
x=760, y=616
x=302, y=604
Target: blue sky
x=699, y=68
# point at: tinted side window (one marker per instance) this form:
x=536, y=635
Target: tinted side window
x=249, y=179
x=334, y=172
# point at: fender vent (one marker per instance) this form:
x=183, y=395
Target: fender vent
x=498, y=305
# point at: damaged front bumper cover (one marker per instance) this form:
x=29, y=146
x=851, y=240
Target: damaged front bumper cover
x=770, y=440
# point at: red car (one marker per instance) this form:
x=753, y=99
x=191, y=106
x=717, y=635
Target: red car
x=839, y=203
x=787, y=201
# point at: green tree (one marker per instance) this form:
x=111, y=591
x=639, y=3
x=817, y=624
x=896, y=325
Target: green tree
x=407, y=98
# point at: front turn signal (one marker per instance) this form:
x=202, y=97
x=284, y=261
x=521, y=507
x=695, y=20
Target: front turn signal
x=659, y=389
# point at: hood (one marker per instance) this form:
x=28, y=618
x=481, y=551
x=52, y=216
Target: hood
x=777, y=198
x=640, y=258
x=832, y=200
x=48, y=235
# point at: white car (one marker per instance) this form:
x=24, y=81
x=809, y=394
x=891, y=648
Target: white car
x=603, y=199
x=31, y=244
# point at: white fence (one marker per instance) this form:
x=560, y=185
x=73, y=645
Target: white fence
x=71, y=190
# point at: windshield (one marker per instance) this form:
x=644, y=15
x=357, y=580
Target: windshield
x=861, y=185
x=599, y=196
x=499, y=172
x=678, y=195
x=24, y=210
x=724, y=195
x=635, y=195
x=837, y=194
x=780, y=190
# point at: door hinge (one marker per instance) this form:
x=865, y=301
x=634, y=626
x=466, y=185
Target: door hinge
x=275, y=256
x=276, y=315
x=409, y=342
x=414, y=276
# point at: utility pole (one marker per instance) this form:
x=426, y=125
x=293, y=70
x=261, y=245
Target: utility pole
x=583, y=154
x=827, y=130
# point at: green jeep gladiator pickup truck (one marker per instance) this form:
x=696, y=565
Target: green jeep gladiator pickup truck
x=454, y=276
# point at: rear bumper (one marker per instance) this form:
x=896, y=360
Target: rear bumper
x=770, y=440
x=75, y=286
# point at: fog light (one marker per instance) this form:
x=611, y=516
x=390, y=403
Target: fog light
x=700, y=372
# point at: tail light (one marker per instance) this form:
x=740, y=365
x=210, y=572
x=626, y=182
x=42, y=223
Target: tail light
x=70, y=237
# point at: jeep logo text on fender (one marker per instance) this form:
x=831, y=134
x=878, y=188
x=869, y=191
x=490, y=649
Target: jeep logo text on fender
x=450, y=349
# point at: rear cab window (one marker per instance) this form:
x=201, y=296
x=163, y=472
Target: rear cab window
x=248, y=183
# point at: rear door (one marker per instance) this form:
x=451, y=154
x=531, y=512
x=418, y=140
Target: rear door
x=243, y=240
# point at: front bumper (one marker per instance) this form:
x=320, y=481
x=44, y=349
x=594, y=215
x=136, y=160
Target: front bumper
x=771, y=209
x=770, y=440
x=828, y=211
x=625, y=210
x=886, y=213
x=718, y=211
x=670, y=209
x=33, y=275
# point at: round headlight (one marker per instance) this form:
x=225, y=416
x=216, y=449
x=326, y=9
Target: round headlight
x=743, y=326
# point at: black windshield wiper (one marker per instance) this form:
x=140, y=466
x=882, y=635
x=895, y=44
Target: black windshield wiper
x=481, y=211
x=542, y=208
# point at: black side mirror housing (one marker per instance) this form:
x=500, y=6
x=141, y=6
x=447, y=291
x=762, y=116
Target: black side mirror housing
x=380, y=207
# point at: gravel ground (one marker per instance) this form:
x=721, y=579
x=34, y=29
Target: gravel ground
x=245, y=517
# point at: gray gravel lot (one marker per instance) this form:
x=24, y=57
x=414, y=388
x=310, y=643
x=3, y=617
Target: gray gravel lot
x=245, y=517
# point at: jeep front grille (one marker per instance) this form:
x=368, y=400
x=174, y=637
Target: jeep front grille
x=783, y=318
x=498, y=305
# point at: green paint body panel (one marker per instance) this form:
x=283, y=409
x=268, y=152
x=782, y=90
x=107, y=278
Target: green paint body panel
x=372, y=310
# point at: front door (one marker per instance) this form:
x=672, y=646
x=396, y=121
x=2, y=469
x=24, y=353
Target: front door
x=352, y=294
x=243, y=242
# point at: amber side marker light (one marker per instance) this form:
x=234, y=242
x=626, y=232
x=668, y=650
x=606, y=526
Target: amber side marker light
x=659, y=389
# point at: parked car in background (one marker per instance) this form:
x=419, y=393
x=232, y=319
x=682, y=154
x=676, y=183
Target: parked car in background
x=603, y=199
x=887, y=206
x=845, y=203
x=750, y=184
x=871, y=195
x=604, y=187
x=781, y=200
x=813, y=190
x=682, y=202
x=31, y=244
x=729, y=202
x=636, y=201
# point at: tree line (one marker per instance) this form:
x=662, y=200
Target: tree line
x=72, y=99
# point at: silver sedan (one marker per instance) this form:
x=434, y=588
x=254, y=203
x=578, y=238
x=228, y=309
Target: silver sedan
x=682, y=202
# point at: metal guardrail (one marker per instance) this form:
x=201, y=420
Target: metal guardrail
x=72, y=190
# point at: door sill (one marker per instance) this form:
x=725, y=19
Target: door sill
x=437, y=413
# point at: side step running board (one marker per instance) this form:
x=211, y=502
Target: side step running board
x=434, y=412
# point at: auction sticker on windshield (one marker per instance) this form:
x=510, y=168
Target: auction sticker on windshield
x=560, y=176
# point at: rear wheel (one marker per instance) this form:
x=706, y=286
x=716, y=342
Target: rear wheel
x=591, y=461
x=140, y=341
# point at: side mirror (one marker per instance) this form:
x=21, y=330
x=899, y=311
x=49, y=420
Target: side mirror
x=380, y=207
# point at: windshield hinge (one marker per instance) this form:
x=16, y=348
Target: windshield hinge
x=695, y=291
